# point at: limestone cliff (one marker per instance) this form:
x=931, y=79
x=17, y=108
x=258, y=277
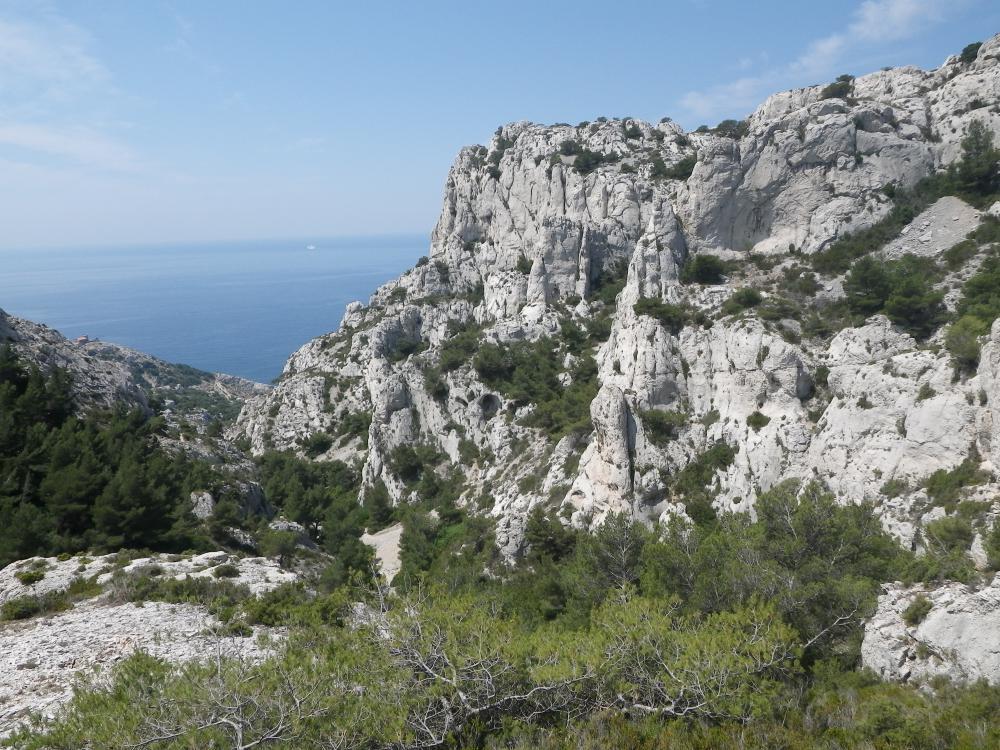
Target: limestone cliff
x=554, y=229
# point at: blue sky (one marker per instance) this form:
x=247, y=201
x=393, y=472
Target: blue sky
x=140, y=122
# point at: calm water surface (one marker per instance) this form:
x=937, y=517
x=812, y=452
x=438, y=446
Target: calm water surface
x=239, y=307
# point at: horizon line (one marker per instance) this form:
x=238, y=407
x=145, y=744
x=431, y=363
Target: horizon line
x=150, y=244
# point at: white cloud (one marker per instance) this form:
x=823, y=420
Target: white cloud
x=78, y=145
x=54, y=95
x=889, y=20
x=46, y=61
x=873, y=22
x=820, y=56
x=741, y=93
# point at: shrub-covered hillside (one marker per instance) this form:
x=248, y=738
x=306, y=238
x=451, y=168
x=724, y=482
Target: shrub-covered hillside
x=733, y=633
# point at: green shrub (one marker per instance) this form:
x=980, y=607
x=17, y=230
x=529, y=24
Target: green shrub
x=981, y=293
x=670, y=316
x=304, y=491
x=436, y=385
x=969, y=52
x=951, y=534
x=587, y=161
x=926, y=391
x=703, y=269
x=317, y=444
x=569, y=148
x=403, y=347
x=732, y=128
x=187, y=590
x=944, y=487
x=691, y=482
x=523, y=265
x=443, y=271
x=901, y=289
x=281, y=545
x=895, y=488
x=355, y=424
x=658, y=168
x=757, y=421
x=977, y=172
x=24, y=607
x=991, y=542
x=409, y=462
x=662, y=426
x=962, y=342
x=956, y=255
x=742, y=299
x=20, y=608
x=226, y=570
x=460, y=346
x=839, y=89
x=528, y=373
x=29, y=577
x=681, y=170
x=917, y=611
x=988, y=230
x=83, y=588
x=609, y=283
x=867, y=286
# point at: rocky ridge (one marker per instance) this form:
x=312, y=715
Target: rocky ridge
x=543, y=227
x=105, y=375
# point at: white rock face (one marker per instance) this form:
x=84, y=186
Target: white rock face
x=529, y=242
x=935, y=230
x=386, y=546
x=957, y=639
x=41, y=658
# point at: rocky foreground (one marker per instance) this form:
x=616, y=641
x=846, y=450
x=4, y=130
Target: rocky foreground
x=42, y=658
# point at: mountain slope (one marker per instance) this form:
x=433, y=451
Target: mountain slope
x=580, y=336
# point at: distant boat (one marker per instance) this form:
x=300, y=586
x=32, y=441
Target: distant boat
x=310, y=247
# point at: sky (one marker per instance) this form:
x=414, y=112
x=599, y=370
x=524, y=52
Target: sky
x=125, y=122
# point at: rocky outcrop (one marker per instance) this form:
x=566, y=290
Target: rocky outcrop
x=97, y=382
x=551, y=229
x=43, y=657
x=955, y=637
x=104, y=374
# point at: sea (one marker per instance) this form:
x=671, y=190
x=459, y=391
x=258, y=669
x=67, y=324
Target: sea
x=237, y=307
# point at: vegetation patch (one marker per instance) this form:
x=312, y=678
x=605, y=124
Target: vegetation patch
x=757, y=421
x=703, y=269
x=944, y=487
x=742, y=299
x=30, y=577
x=528, y=373
x=917, y=611
x=902, y=289
x=839, y=89
x=692, y=482
x=661, y=426
x=670, y=316
x=102, y=482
